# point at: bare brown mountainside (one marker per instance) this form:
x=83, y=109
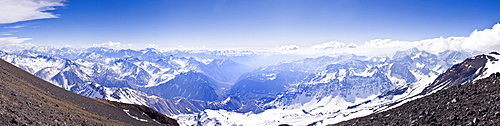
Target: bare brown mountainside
x=28, y=100
x=475, y=103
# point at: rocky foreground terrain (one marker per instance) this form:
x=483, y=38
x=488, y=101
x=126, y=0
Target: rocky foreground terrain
x=475, y=103
x=28, y=100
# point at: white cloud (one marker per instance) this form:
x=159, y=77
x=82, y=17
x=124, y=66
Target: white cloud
x=152, y=46
x=5, y=34
x=17, y=26
x=329, y=45
x=12, y=40
x=431, y=45
x=113, y=45
x=486, y=40
x=12, y=11
x=352, y=45
x=385, y=43
x=288, y=47
x=440, y=44
x=14, y=43
x=333, y=45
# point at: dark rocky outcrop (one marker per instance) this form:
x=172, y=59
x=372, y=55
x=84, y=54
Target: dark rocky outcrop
x=459, y=73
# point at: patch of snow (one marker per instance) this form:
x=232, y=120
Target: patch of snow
x=420, y=65
x=341, y=74
x=205, y=61
x=180, y=62
x=366, y=72
x=135, y=117
x=491, y=67
x=270, y=76
x=226, y=100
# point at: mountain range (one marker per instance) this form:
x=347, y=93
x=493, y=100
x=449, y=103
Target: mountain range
x=201, y=87
x=29, y=100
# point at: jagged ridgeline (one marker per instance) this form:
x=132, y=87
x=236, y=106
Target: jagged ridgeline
x=226, y=87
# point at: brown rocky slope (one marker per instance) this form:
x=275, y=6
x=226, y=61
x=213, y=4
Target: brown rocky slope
x=28, y=100
x=475, y=103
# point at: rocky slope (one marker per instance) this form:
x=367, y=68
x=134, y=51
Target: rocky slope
x=28, y=100
x=464, y=72
x=475, y=103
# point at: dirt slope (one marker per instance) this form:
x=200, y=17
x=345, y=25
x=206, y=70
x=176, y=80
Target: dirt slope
x=28, y=100
x=469, y=104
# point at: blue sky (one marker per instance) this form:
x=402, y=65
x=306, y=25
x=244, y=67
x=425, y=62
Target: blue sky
x=252, y=23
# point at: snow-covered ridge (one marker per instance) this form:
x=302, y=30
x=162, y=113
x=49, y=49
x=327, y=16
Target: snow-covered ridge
x=492, y=66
